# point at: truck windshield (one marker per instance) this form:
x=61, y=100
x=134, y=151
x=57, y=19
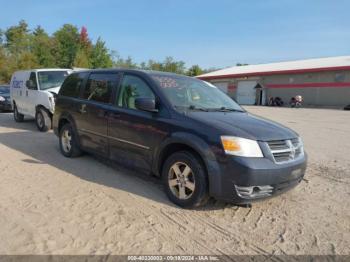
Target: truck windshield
x=194, y=94
x=51, y=79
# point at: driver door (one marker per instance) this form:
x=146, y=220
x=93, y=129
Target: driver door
x=133, y=134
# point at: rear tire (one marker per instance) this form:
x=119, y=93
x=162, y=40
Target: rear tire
x=16, y=115
x=185, y=180
x=42, y=120
x=68, y=142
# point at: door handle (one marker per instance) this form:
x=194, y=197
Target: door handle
x=26, y=92
x=82, y=109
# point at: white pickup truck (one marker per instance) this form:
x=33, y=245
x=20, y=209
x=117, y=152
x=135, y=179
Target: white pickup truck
x=33, y=92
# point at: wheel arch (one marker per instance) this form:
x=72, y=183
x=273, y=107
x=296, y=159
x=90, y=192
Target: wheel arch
x=40, y=106
x=183, y=141
x=174, y=147
x=64, y=119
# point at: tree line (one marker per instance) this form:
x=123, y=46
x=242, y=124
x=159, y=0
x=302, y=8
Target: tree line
x=68, y=47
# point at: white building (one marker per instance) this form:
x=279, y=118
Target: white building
x=321, y=82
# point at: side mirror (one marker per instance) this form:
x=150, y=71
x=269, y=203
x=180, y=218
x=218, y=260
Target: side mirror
x=31, y=84
x=146, y=104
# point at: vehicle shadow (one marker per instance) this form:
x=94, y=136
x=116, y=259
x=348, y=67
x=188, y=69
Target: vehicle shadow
x=42, y=148
x=7, y=121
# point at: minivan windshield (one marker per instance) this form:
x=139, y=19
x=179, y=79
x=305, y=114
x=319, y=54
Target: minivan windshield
x=51, y=79
x=194, y=94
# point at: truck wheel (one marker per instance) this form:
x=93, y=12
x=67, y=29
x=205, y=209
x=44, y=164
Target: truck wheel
x=185, y=180
x=42, y=120
x=68, y=142
x=16, y=115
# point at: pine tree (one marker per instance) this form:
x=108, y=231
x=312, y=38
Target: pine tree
x=42, y=48
x=66, y=42
x=100, y=56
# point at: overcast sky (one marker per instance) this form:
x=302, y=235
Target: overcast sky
x=211, y=33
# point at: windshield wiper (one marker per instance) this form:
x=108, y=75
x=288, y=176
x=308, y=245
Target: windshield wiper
x=192, y=107
x=227, y=109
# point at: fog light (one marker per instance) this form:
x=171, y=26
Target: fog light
x=256, y=189
x=250, y=192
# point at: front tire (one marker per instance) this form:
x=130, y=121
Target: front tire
x=42, y=120
x=68, y=142
x=16, y=115
x=185, y=180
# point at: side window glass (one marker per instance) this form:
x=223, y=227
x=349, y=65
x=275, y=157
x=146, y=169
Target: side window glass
x=99, y=87
x=133, y=87
x=32, y=83
x=72, y=85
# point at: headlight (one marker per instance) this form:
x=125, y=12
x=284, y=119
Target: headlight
x=2, y=99
x=52, y=101
x=300, y=145
x=239, y=146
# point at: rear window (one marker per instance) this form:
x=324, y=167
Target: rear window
x=71, y=86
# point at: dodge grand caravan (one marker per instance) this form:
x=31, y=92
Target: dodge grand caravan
x=186, y=131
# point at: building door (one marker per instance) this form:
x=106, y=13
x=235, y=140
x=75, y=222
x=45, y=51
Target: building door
x=260, y=95
x=246, y=92
x=263, y=99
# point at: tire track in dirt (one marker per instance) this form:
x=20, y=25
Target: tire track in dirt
x=224, y=234
x=195, y=226
x=177, y=227
x=175, y=230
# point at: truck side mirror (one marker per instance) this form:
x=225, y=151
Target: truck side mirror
x=30, y=84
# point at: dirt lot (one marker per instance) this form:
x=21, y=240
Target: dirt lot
x=51, y=204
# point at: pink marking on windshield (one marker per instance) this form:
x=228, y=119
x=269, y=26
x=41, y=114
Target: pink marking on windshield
x=166, y=82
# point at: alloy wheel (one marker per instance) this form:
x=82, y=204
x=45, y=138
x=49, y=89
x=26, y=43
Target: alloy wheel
x=66, y=140
x=181, y=180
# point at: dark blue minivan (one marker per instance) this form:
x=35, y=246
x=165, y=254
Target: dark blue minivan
x=197, y=139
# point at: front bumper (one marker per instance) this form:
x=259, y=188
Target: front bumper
x=245, y=180
x=5, y=106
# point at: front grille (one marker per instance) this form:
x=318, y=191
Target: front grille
x=286, y=150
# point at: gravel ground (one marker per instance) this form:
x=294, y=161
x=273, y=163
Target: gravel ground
x=53, y=205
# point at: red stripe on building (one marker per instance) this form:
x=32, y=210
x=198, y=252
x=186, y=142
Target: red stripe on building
x=311, y=85
x=231, y=87
x=281, y=72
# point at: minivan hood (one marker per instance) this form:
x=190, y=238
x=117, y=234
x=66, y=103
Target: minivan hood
x=244, y=125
